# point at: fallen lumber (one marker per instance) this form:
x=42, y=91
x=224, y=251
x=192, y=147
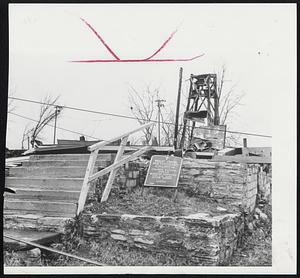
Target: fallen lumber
x=242, y=159
x=54, y=250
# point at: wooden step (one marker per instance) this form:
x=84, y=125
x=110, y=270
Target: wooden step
x=67, y=184
x=39, y=195
x=35, y=221
x=107, y=157
x=43, y=238
x=45, y=208
x=47, y=172
x=56, y=163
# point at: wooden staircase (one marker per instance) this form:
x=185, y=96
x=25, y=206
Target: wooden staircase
x=47, y=190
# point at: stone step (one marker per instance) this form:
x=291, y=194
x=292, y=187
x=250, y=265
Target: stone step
x=104, y=156
x=53, y=163
x=43, y=238
x=40, y=195
x=47, y=172
x=43, y=207
x=67, y=184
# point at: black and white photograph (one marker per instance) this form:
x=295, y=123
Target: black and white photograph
x=150, y=138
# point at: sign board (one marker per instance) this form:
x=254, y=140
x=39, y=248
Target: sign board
x=163, y=171
x=215, y=134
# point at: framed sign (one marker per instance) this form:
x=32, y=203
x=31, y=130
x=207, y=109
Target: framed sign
x=163, y=171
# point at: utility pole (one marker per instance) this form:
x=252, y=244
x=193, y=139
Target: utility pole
x=177, y=109
x=159, y=105
x=184, y=119
x=57, y=109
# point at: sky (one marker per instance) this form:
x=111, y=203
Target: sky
x=250, y=40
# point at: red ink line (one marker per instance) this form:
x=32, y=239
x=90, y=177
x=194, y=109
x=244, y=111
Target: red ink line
x=136, y=60
x=163, y=45
x=100, y=38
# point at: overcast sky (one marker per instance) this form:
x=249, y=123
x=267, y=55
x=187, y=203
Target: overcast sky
x=255, y=42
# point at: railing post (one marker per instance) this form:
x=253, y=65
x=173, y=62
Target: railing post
x=114, y=171
x=85, y=185
x=94, y=149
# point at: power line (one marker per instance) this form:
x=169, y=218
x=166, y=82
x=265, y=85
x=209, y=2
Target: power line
x=134, y=118
x=76, y=132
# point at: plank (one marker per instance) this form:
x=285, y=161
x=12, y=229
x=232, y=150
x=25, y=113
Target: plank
x=44, y=238
x=135, y=147
x=39, y=195
x=72, y=184
x=21, y=216
x=112, y=174
x=240, y=159
x=55, y=251
x=18, y=159
x=26, y=206
x=82, y=156
x=103, y=143
x=54, y=172
x=119, y=163
x=56, y=163
x=85, y=185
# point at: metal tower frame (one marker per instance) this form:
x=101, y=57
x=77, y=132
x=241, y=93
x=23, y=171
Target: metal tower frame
x=203, y=102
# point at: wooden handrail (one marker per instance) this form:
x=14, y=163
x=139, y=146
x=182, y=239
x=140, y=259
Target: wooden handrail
x=119, y=163
x=89, y=175
x=103, y=143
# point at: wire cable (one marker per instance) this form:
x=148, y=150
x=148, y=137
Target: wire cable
x=72, y=131
x=134, y=118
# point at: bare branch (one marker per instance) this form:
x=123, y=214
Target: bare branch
x=48, y=112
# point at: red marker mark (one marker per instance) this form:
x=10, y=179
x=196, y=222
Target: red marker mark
x=136, y=60
x=99, y=37
x=118, y=60
x=163, y=45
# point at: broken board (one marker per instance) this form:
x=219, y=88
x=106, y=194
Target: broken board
x=44, y=238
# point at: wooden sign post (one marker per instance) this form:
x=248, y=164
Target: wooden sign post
x=163, y=171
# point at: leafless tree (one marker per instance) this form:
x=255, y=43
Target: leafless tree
x=229, y=101
x=26, y=134
x=47, y=114
x=142, y=106
x=168, y=126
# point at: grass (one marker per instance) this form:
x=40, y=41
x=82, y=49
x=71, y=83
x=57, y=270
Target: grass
x=256, y=249
x=158, y=202
x=111, y=253
x=11, y=258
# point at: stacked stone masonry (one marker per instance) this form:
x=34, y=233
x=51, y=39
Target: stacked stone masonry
x=206, y=239
x=203, y=239
x=235, y=182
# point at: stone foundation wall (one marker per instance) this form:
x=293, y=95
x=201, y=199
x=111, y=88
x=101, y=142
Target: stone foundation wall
x=236, y=184
x=203, y=239
x=232, y=182
x=264, y=184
